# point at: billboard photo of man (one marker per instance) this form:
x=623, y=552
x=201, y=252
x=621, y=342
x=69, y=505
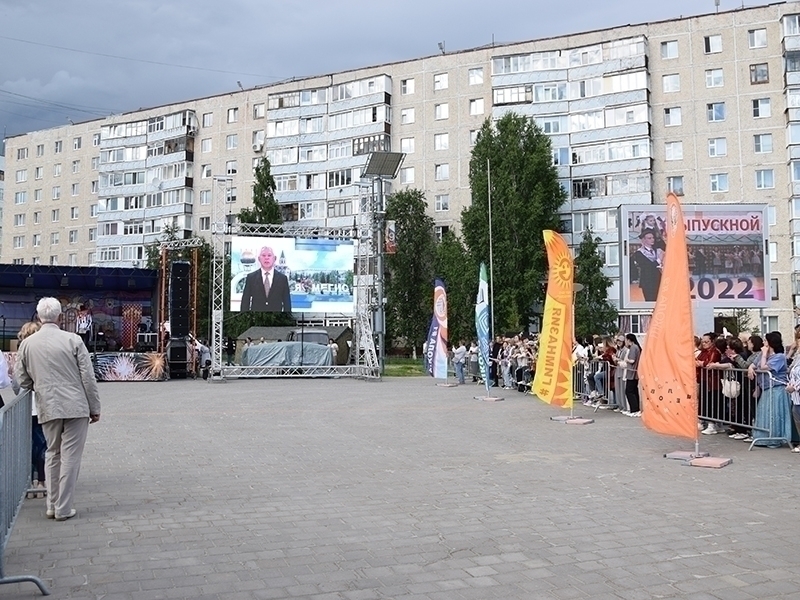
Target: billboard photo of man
x=266, y=289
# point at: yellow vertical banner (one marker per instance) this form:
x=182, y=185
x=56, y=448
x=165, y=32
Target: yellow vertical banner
x=552, y=382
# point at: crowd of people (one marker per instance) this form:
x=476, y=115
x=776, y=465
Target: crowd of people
x=748, y=387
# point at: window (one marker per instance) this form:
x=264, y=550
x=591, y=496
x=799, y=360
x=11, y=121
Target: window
x=230, y=167
x=19, y=220
x=674, y=150
x=73, y=236
x=36, y=240
x=205, y=145
x=230, y=195
x=406, y=87
x=773, y=252
x=476, y=106
x=440, y=81
x=761, y=108
x=712, y=44
x=669, y=49
x=233, y=115
x=773, y=288
x=442, y=202
x=56, y=192
x=205, y=196
x=407, y=175
x=95, y=162
x=17, y=261
x=22, y=153
x=22, y=176
x=37, y=195
x=717, y=147
x=73, y=213
x=473, y=136
x=208, y=119
x=719, y=182
x=95, y=139
x=75, y=189
x=406, y=116
x=57, y=170
x=762, y=143
x=205, y=171
x=94, y=187
x=37, y=217
x=259, y=111
x=757, y=38
x=55, y=237
x=76, y=166
x=20, y=197
x=441, y=141
x=76, y=143
x=476, y=76
x=765, y=179
x=93, y=234
x=38, y=172
x=675, y=185
x=772, y=216
x=232, y=141
x=759, y=73
x=55, y=215
x=407, y=145
x=440, y=230
x=40, y=149
x=19, y=241
x=441, y=111
x=671, y=83
x=205, y=223
x=441, y=172
x=58, y=146
x=672, y=116
x=714, y=78
x=715, y=111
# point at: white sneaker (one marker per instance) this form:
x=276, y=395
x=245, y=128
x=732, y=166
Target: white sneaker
x=627, y=413
x=710, y=430
x=638, y=413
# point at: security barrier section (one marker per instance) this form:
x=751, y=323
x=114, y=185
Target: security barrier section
x=15, y=474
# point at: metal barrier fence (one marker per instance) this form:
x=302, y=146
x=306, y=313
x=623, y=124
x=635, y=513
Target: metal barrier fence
x=15, y=474
x=752, y=410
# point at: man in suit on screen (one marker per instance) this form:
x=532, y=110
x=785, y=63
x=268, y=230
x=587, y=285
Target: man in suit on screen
x=266, y=290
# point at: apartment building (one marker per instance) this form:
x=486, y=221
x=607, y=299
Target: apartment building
x=705, y=106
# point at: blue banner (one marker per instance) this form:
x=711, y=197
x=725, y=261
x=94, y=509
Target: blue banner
x=482, y=325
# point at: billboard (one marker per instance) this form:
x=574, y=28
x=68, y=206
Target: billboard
x=293, y=275
x=728, y=262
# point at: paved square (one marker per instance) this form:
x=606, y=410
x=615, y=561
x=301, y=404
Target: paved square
x=334, y=489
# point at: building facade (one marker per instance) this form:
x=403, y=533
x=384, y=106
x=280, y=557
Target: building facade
x=706, y=106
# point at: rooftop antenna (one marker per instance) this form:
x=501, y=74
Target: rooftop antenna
x=441, y=47
x=716, y=4
x=239, y=83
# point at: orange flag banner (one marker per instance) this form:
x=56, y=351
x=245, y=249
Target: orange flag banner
x=667, y=369
x=552, y=382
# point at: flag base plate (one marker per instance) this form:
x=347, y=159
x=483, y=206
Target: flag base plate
x=683, y=455
x=446, y=385
x=710, y=462
x=489, y=398
x=573, y=420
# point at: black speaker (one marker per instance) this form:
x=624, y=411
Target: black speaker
x=179, y=309
x=178, y=354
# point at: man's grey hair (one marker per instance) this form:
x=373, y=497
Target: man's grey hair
x=48, y=309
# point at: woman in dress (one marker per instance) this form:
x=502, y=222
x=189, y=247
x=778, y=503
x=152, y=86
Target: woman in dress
x=773, y=422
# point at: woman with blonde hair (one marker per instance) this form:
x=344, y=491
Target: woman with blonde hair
x=39, y=445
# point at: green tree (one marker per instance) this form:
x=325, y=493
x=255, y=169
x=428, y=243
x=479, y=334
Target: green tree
x=594, y=314
x=409, y=272
x=265, y=208
x=526, y=196
x=460, y=277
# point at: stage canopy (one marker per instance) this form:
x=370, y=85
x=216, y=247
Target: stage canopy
x=77, y=278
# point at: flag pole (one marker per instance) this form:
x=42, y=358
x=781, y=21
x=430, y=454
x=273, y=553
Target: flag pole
x=491, y=254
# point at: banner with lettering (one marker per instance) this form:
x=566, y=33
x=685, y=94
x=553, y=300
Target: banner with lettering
x=482, y=325
x=436, y=349
x=728, y=265
x=667, y=367
x=552, y=382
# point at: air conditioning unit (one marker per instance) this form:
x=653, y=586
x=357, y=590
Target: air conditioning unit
x=257, y=147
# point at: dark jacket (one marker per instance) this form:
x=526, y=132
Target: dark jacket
x=254, y=298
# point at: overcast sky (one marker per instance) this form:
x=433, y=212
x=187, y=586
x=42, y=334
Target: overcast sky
x=62, y=60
